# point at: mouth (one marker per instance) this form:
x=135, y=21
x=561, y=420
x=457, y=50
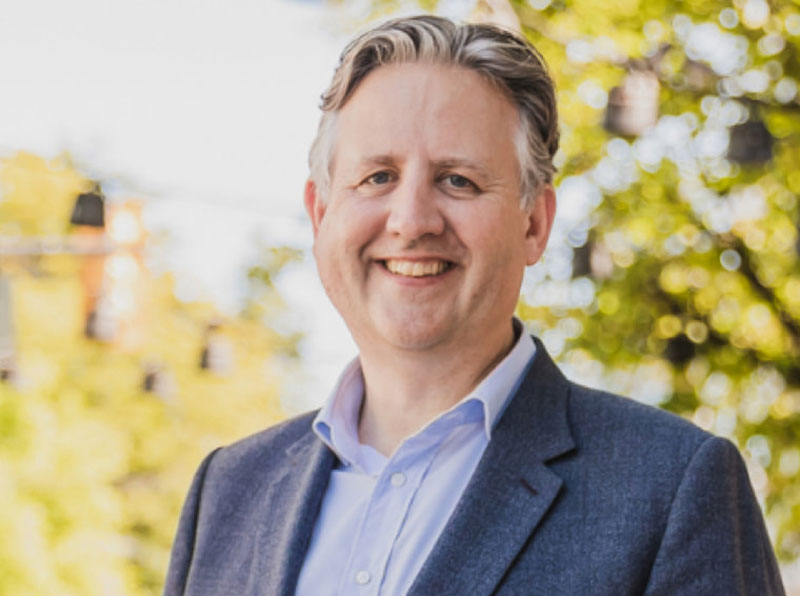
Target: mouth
x=426, y=268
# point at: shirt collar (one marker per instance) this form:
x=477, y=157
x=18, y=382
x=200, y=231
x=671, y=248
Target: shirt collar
x=336, y=424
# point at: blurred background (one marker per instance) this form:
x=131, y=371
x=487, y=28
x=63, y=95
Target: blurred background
x=158, y=297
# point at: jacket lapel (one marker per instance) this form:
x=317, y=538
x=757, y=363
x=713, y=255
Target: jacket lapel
x=295, y=499
x=509, y=493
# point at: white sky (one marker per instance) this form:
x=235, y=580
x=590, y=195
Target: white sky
x=205, y=109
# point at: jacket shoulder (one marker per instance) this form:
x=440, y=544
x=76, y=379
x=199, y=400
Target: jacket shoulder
x=266, y=448
x=600, y=410
x=633, y=442
x=282, y=434
x=597, y=421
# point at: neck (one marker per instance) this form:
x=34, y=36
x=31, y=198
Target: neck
x=404, y=389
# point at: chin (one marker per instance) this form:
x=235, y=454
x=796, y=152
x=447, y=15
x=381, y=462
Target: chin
x=419, y=334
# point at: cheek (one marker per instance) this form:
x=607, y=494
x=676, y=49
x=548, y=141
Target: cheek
x=500, y=251
x=342, y=236
x=499, y=239
x=328, y=261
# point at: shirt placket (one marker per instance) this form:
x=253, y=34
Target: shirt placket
x=388, y=507
x=383, y=519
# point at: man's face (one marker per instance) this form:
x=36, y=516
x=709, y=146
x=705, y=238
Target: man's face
x=421, y=243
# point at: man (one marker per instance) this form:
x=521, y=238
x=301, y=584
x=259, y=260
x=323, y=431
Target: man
x=453, y=457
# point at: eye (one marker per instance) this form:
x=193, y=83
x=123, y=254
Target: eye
x=379, y=178
x=459, y=182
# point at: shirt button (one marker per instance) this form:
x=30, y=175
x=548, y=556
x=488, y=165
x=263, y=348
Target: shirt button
x=398, y=479
x=363, y=577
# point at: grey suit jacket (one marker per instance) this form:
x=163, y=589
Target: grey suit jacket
x=578, y=492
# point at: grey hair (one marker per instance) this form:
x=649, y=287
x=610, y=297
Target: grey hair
x=505, y=59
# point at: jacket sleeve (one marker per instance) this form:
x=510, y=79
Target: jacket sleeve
x=715, y=541
x=183, y=546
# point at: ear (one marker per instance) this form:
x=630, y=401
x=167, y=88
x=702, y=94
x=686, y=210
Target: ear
x=315, y=207
x=540, y=222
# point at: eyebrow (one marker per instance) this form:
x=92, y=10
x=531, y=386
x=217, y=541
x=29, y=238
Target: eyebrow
x=387, y=159
x=468, y=164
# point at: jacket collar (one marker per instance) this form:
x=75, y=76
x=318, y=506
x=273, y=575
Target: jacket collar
x=294, y=501
x=510, y=492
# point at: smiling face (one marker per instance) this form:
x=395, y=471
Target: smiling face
x=421, y=243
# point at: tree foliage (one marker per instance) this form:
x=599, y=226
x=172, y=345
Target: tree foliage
x=98, y=439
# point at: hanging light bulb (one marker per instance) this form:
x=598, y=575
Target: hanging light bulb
x=89, y=210
x=158, y=381
x=125, y=224
x=633, y=106
x=217, y=354
x=592, y=259
x=751, y=143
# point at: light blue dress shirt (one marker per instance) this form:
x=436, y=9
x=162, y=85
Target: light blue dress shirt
x=380, y=517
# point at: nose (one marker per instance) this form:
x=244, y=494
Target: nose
x=414, y=209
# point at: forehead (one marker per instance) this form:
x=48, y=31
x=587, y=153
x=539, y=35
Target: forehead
x=433, y=110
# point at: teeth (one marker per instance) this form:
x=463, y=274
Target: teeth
x=416, y=268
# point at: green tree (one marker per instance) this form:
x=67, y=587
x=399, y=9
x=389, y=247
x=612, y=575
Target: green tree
x=99, y=437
